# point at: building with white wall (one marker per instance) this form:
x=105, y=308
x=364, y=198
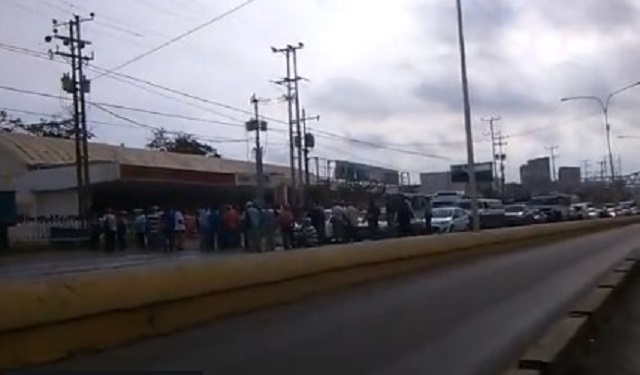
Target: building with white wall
x=42, y=172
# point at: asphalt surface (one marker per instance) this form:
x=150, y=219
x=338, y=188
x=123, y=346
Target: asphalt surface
x=466, y=318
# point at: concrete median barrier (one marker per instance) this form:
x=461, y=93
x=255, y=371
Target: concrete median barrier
x=48, y=319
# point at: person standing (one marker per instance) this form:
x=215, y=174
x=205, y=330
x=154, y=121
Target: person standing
x=168, y=225
x=269, y=227
x=140, y=228
x=153, y=230
x=316, y=214
x=252, y=227
x=180, y=228
x=214, y=229
x=373, y=219
x=121, y=230
x=231, y=222
x=428, y=216
x=285, y=222
x=110, y=229
x=204, y=231
x=403, y=217
x=338, y=222
x=353, y=217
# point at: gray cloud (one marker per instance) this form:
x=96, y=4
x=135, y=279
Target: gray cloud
x=602, y=16
x=353, y=98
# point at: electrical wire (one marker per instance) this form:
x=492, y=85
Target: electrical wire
x=177, y=38
x=396, y=147
x=130, y=121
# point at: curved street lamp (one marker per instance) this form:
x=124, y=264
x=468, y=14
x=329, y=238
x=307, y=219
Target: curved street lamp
x=604, y=105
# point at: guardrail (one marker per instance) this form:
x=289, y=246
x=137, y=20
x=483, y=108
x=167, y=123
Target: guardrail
x=44, y=320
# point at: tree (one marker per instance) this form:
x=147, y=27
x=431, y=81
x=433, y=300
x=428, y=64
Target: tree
x=180, y=143
x=55, y=128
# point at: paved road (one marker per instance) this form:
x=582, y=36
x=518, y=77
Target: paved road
x=55, y=263
x=456, y=319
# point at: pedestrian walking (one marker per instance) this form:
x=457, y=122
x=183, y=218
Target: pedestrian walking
x=121, y=231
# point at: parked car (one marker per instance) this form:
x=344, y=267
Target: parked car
x=520, y=214
x=609, y=210
x=449, y=219
x=628, y=208
x=584, y=210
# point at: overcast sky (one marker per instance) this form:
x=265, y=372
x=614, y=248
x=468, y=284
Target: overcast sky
x=386, y=72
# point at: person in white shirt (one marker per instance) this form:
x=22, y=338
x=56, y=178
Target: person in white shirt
x=339, y=222
x=180, y=229
x=353, y=216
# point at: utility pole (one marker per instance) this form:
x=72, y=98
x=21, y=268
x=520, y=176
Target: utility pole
x=603, y=169
x=619, y=165
x=501, y=157
x=308, y=143
x=467, y=121
x=292, y=85
x=492, y=133
x=553, y=156
x=586, y=165
x=296, y=87
x=317, y=159
x=258, y=125
x=77, y=85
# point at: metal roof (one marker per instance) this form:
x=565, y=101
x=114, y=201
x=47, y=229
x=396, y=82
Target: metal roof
x=42, y=152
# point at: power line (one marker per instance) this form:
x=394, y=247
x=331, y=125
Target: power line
x=131, y=124
x=177, y=38
x=274, y=120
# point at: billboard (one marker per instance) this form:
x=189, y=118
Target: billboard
x=345, y=170
x=483, y=171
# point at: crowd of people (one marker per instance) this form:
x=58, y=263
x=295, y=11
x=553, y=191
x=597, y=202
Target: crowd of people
x=252, y=226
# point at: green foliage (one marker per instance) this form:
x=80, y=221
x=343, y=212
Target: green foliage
x=181, y=143
x=62, y=128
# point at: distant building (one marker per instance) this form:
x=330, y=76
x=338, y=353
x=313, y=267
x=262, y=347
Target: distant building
x=569, y=178
x=535, y=175
x=433, y=182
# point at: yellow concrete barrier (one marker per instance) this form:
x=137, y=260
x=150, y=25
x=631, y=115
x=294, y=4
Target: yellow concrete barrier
x=47, y=319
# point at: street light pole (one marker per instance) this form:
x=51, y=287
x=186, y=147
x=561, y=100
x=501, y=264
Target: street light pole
x=467, y=123
x=604, y=105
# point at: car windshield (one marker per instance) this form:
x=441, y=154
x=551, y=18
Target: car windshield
x=514, y=208
x=438, y=204
x=543, y=201
x=442, y=213
x=465, y=205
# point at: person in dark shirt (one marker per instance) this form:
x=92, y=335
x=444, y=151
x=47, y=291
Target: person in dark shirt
x=373, y=219
x=317, y=217
x=404, y=216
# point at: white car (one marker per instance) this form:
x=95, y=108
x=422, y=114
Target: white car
x=449, y=219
